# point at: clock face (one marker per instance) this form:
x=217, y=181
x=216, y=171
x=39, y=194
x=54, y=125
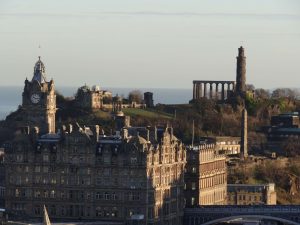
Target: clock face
x=35, y=98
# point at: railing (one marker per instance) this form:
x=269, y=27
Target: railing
x=245, y=209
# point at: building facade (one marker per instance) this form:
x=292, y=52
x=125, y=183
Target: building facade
x=205, y=176
x=225, y=145
x=248, y=194
x=93, y=98
x=81, y=175
x=133, y=177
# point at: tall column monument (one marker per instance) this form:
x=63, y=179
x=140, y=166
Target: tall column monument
x=241, y=73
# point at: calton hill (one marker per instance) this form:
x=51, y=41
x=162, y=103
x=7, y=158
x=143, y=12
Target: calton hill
x=205, y=118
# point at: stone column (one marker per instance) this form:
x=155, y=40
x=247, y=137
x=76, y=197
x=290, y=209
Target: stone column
x=223, y=92
x=205, y=90
x=194, y=91
x=244, y=135
x=217, y=91
x=210, y=90
x=200, y=90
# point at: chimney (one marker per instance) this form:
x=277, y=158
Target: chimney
x=125, y=133
x=127, y=121
x=148, y=135
x=97, y=131
x=35, y=134
x=25, y=130
x=70, y=130
x=171, y=131
x=63, y=129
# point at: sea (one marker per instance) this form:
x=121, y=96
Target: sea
x=11, y=96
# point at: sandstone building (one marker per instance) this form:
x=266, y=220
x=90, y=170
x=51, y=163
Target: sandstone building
x=205, y=176
x=92, y=98
x=134, y=176
x=251, y=194
x=79, y=174
x=225, y=145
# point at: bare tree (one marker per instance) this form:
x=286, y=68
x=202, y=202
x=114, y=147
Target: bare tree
x=285, y=93
x=135, y=96
x=262, y=93
x=250, y=87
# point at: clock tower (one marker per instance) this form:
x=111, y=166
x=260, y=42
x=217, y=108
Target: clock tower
x=39, y=100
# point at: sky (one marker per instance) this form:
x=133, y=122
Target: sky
x=150, y=43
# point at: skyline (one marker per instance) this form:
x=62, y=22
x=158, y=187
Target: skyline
x=145, y=44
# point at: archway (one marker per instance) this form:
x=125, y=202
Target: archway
x=212, y=222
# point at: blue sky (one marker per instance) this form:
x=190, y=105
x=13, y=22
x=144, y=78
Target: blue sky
x=150, y=43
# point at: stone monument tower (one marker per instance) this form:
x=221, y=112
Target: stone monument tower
x=244, y=135
x=39, y=100
x=241, y=73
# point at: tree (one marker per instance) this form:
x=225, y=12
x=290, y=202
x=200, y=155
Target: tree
x=285, y=93
x=291, y=146
x=262, y=93
x=135, y=96
x=250, y=87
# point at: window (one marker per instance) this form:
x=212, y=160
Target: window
x=52, y=194
x=18, y=180
x=114, y=212
x=98, y=180
x=193, y=186
x=52, y=169
x=45, y=180
x=133, y=160
x=114, y=196
x=194, y=170
x=27, y=193
x=38, y=179
x=37, y=193
x=99, y=212
x=17, y=192
x=106, y=196
x=99, y=196
x=46, y=158
x=62, y=180
x=46, y=169
x=37, y=169
x=19, y=158
x=53, y=180
x=106, y=158
x=62, y=210
x=88, y=196
x=37, y=210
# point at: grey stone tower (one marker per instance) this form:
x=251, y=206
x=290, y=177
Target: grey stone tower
x=241, y=73
x=39, y=100
x=148, y=99
x=244, y=135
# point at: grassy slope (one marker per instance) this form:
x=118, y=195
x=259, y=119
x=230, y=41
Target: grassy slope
x=150, y=113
